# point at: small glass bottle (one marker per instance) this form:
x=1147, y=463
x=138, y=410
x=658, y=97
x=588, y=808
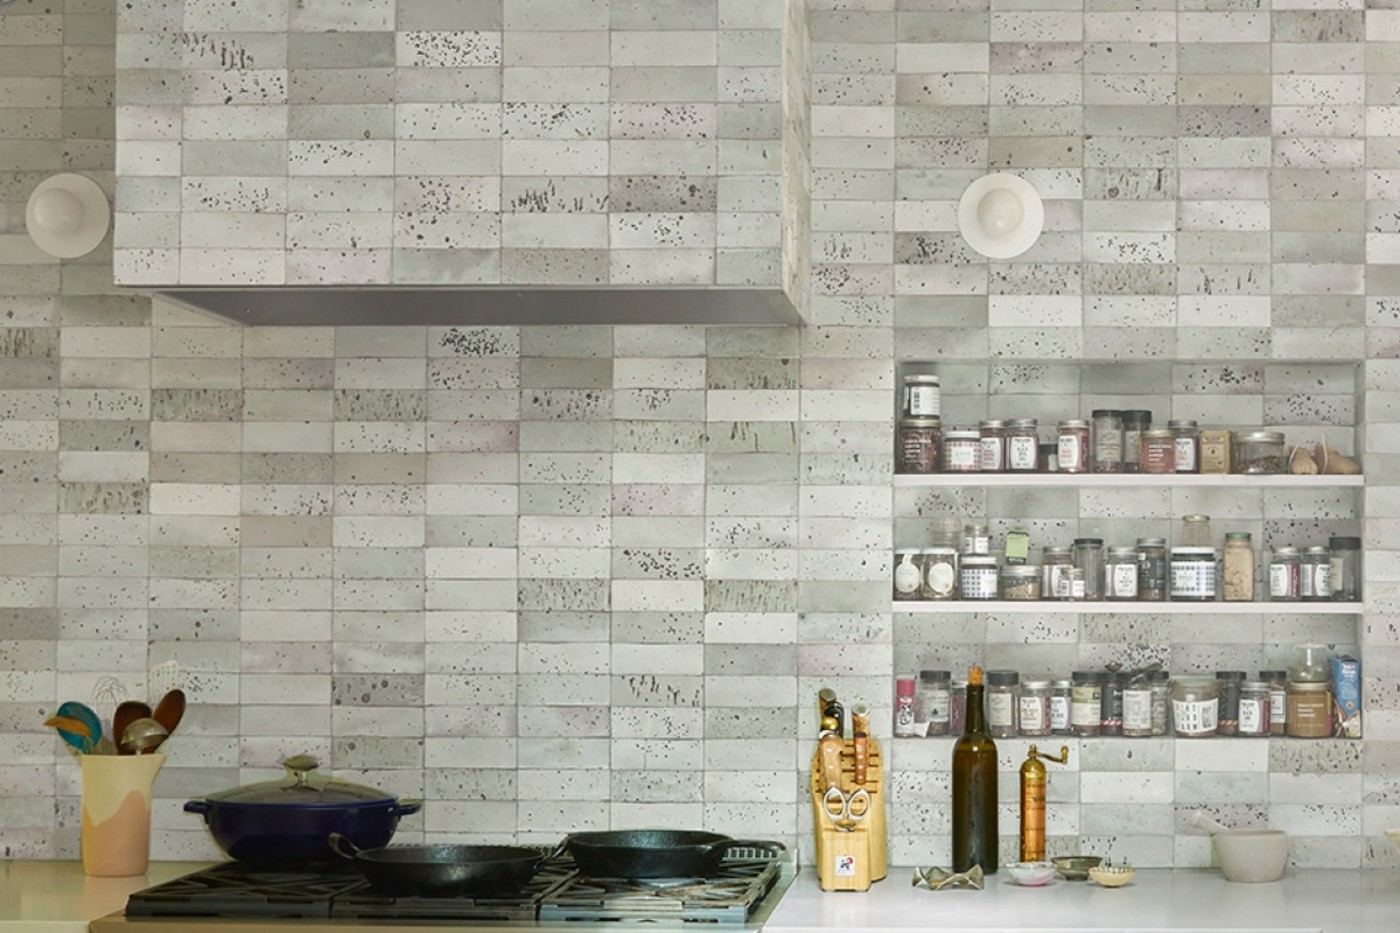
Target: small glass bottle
x=1034, y=707
x=1156, y=451
x=992, y=446
x=904, y=706
x=1195, y=532
x=1088, y=556
x=1285, y=575
x=1161, y=702
x=1238, y=571
x=1072, y=452
x=1135, y=421
x=1121, y=576
x=1054, y=561
x=1278, y=700
x=1195, y=707
x=1137, y=707
x=1108, y=440
x=957, y=707
x=1346, y=568
x=1074, y=584
x=1022, y=446
x=1228, y=683
x=961, y=450
x=1002, y=703
x=1086, y=698
x=976, y=540
x=1059, y=707
x=931, y=696
x=1316, y=574
x=1111, y=704
x=1255, y=709
x=1152, y=569
x=1186, y=435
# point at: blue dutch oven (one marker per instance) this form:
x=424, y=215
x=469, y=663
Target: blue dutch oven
x=285, y=823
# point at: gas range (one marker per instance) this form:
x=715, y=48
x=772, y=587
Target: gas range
x=231, y=895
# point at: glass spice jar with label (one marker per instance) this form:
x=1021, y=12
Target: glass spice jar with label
x=1108, y=440
x=1195, y=707
x=1072, y=451
x=1186, y=435
x=961, y=450
x=1111, y=704
x=922, y=396
x=1085, y=713
x=992, y=446
x=1059, y=707
x=1346, y=567
x=1121, y=575
x=1316, y=573
x=1193, y=574
x=1255, y=709
x=1022, y=446
x=1152, y=569
x=931, y=696
x=1054, y=562
x=1238, y=567
x=1137, y=707
x=1228, y=683
x=1309, y=710
x=1157, y=451
x=1002, y=689
x=940, y=572
x=1285, y=575
x=908, y=573
x=1020, y=581
x=976, y=539
x=1035, y=707
x=978, y=577
x=920, y=444
x=1135, y=421
x=1088, y=557
x=1278, y=700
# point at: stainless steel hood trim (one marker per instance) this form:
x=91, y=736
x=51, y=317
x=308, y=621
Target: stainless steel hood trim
x=491, y=306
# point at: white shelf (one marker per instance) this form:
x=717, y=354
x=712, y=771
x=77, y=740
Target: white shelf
x=1118, y=480
x=1183, y=607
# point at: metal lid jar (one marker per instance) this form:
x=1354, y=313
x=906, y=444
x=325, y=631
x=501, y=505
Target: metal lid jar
x=992, y=446
x=961, y=450
x=1260, y=452
x=1072, y=453
x=1022, y=446
x=1195, y=706
x=1193, y=575
x=978, y=577
x=1020, y=581
x=1156, y=451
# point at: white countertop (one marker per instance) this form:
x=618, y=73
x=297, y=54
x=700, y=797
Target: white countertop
x=59, y=897
x=1155, y=900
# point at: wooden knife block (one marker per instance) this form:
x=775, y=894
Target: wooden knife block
x=851, y=860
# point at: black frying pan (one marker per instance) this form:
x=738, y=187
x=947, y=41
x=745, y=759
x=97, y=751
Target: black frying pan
x=655, y=853
x=443, y=870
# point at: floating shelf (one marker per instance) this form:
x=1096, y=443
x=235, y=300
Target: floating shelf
x=1127, y=480
x=1168, y=607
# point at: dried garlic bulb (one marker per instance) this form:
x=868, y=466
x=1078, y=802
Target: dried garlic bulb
x=1301, y=463
x=1334, y=463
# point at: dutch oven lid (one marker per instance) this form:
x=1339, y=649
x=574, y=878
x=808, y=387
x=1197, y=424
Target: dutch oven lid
x=303, y=787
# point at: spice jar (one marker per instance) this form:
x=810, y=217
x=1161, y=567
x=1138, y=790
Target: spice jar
x=1137, y=707
x=1316, y=573
x=1001, y=703
x=904, y=706
x=1285, y=575
x=919, y=443
x=1085, y=714
x=1346, y=568
x=957, y=707
x=1108, y=441
x=1193, y=573
x=1054, y=562
x=1020, y=581
x=1260, y=452
x=1121, y=575
x=908, y=573
x=1195, y=531
x=1152, y=569
x=1072, y=452
x=1135, y=421
x=1022, y=446
x=1255, y=709
x=1111, y=704
x=1238, y=585
x=992, y=446
x=940, y=572
x=1161, y=701
x=976, y=540
x=1278, y=700
x=1088, y=556
x=978, y=577
x=1228, y=682
x=961, y=450
x=922, y=396
x=1186, y=435
x=1059, y=707
x=1034, y=707
x=1195, y=706
x=1309, y=710
x=1074, y=584
x=1157, y=451
x=931, y=703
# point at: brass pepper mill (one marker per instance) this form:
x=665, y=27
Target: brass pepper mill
x=1033, y=778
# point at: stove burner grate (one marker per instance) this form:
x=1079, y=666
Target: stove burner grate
x=234, y=890
x=726, y=898
x=367, y=904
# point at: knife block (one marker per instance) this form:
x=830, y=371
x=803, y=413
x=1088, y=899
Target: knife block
x=850, y=860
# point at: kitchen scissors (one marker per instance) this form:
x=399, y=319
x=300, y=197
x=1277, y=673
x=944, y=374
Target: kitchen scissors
x=846, y=810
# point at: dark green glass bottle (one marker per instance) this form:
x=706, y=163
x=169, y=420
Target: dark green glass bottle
x=975, y=786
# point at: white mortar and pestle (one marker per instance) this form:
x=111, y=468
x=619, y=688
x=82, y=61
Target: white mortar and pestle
x=1248, y=855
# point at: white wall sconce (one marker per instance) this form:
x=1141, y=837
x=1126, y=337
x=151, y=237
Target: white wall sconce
x=1000, y=215
x=67, y=215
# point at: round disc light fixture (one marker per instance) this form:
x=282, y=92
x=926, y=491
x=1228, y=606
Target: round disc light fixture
x=67, y=215
x=1000, y=215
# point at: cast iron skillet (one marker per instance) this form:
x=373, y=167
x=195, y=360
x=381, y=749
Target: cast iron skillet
x=655, y=853
x=443, y=870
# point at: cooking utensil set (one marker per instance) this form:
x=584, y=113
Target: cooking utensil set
x=136, y=728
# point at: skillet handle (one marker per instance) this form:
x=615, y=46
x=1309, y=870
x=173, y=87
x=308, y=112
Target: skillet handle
x=197, y=806
x=342, y=847
x=763, y=845
x=405, y=808
x=558, y=851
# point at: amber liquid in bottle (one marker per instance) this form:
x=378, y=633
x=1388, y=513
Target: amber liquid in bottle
x=975, y=787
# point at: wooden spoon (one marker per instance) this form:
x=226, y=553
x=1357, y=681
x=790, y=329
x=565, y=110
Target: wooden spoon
x=170, y=710
x=127, y=712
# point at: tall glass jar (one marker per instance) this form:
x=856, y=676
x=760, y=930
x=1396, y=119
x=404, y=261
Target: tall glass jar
x=1188, y=448
x=919, y=446
x=1002, y=703
x=1111, y=704
x=1088, y=556
x=931, y=700
x=1085, y=713
x=1022, y=446
x=1317, y=573
x=1135, y=421
x=1108, y=440
x=1137, y=707
x=1228, y=683
x=1054, y=562
x=1346, y=568
x=1121, y=577
x=1060, y=707
x=1073, y=448
x=1161, y=702
x=1152, y=569
x=1238, y=571
x=1034, y=707
x=992, y=446
x=1286, y=575
x=1278, y=700
x=1195, y=707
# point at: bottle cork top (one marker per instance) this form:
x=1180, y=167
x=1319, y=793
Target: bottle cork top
x=974, y=677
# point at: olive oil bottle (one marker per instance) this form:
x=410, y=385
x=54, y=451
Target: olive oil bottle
x=975, y=786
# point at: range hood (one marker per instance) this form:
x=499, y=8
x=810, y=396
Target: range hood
x=491, y=305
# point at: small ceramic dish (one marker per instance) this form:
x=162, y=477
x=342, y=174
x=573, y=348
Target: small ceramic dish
x=1111, y=876
x=1075, y=867
x=1031, y=874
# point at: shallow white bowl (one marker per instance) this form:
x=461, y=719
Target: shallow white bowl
x=1252, y=855
x=1031, y=874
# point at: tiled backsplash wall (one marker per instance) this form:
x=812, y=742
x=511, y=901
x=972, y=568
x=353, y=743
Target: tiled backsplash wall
x=554, y=579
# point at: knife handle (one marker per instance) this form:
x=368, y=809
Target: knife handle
x=861, y=756
x=830, y=751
